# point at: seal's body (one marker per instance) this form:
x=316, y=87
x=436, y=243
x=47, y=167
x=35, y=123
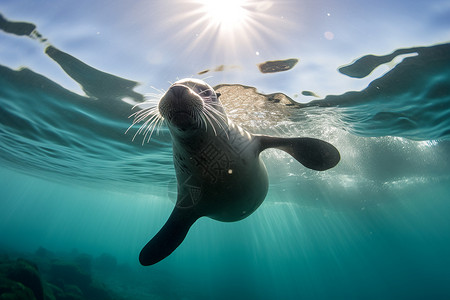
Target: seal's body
x=219, y=172
x=220, y=176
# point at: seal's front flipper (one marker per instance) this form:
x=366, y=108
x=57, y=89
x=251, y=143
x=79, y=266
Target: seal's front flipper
x=312, y=153
x=169, y=237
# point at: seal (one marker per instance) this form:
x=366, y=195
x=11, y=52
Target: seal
x=218, y=168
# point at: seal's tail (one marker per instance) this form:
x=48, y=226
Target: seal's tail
x=169, y=237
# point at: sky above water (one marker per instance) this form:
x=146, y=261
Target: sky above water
x=156, y=42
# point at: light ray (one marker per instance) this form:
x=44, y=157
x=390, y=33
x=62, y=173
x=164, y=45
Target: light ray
x=225, y=31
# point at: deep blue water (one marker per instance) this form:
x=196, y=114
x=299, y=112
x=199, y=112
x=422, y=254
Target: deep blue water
x=376, y=226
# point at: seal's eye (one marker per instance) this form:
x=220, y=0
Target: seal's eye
x=208, y=94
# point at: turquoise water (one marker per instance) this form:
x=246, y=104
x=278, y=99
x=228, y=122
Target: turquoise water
x=374, y=227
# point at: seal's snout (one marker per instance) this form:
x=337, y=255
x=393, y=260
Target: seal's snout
x=180, y=106
x=175, y=96
x=178, y=90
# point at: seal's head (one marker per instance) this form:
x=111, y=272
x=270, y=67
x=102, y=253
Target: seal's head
x=190, y=104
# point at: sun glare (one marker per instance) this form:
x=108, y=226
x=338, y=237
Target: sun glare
x=227, y=14
x=225, y=29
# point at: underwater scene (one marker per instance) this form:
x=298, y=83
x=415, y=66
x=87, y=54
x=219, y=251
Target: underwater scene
x=240, y=149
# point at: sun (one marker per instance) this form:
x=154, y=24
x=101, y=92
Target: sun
x=226, y=14
x=223, y=30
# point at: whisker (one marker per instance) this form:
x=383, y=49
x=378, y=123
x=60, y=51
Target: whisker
x=161, y=91
x=209, y=120
x=220, y=124
x=205, y=90
x=143, y=126
x=135, y=121
x=150, y=128
x=144, y=115
x=150, y=117
x=207, y=77
x=211, y=108
x=202, y=118
x=159, y=125
x=217, y=116
x=144, y=111
x=148, y=123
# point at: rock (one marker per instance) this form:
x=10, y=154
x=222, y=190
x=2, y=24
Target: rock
x=73, y=292
x=84, y=261
x=43, y=253
x=97, y=291
x=62, y=273
x=26, y=273
x=12, y=290
x=59, y=279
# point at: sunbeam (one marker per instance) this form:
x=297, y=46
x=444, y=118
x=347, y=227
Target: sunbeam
x=225, y=31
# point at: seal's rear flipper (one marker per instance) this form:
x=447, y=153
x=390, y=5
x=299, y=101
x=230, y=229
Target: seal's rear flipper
x=169, y=237
x=312, y=153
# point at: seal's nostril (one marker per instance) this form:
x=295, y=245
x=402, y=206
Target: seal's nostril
x=178, y=90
